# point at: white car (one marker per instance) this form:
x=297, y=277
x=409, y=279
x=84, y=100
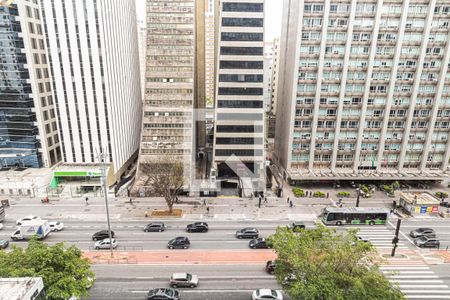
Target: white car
x=26, y=219
x=263, y=294
x=104, y=244
x=1, y=226
x=56, y=226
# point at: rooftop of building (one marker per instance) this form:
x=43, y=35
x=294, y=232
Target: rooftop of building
x=419, y=198
x=20, y=288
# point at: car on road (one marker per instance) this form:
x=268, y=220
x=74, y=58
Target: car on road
x=445, y=204
x=180, y=242
x=1, y=226
x=183, y=280
x=270, y=266
x=104, y=244
x=263, y=294
x=27, y=219
x=197, y=227
x=163, y=294
x=56, y=226
x=259, y=243
x=294, y=226
x=429, y=232
x=101, y=235
x=427, y=242
x=155, y=227
x=247, y=233
x=4, y=244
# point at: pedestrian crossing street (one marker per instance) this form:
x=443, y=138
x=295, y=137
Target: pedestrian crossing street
x=381, y=237
x=416, y=281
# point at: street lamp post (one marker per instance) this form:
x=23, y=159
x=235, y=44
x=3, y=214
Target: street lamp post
x=105, y=193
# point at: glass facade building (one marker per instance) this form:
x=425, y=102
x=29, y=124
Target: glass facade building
x=19, y=142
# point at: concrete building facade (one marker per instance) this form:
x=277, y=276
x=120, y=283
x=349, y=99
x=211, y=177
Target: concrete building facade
x=364, y=90
x=142, y=41
x=28, y=122
x=209, y=52
x=93, y=54
x=168, y=126
x=239, y=116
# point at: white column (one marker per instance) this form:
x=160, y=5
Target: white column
x=348, y=45
x=323, y=43
x=416, y=84
x=373, y=50
x=391, y=88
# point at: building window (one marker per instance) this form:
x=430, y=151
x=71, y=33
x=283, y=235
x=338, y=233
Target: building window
x=243, y=7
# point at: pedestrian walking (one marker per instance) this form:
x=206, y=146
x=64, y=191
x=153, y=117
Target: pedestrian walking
x=265, y=200
x=291, y=204
x=259, y=202
x=131, y=201
x=176, y=199
x=207, y=210
x=87, y=199
x=204, y=202
x=328, y=195
x=287, y=201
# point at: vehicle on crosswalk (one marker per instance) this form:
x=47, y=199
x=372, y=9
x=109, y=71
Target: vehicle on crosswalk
x=247, y=233
x=354, y=216
x=263, y=294
x=183, y=280
x=429, y=232
x=427, y=242
x=163, y=294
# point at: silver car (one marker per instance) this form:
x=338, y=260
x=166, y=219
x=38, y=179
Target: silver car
x=183, y=280
x=104, y=244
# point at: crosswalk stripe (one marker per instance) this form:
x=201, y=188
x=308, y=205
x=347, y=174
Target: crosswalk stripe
x=434, y=286
x=394, y=277
x=416, y=281
x=404, y=267
x=410, y=272
x=421, y=291
x=428, y=297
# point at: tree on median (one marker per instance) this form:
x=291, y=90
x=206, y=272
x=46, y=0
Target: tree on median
x=63, y=269
x=165, y=177
x=320, y=264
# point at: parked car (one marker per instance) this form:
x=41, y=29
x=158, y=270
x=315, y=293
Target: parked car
x=259, y=243
x=179, y=242
x=429, y=232
x=26, y=219
x=183, y=280
x=270, y=266
x=263, y=294
x=247, y=233
x=296, y=226
x=155, y=226
x=427, y=242
x=103, y=234
x=163, y=294
x=4, y=244
x=104, y=244
x=197, y=227
x=56, y=226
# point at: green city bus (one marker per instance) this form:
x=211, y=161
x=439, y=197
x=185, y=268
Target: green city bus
x=354, y=216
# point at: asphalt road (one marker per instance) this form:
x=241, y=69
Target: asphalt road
x=221, y=282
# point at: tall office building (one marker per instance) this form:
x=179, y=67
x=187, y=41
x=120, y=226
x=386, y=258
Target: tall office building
x=209, y=52
x=239, y=127
x=268, y=69
x=168, y=124
x=365, y=90
x=142, y=41
x=28, y=128
x=275, y=74
x=93, y=54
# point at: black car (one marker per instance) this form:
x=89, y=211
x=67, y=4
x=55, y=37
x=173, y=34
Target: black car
x=445, y=204
x=427, y=242
x=163, y=294
x=247, y=233
x=197, y=227
x=429, y=232
x=101, y=235
x=4, y=244
x=155, y=226
x=179, y=242
x=270, y=266
x=296, y=226
x=259, y=243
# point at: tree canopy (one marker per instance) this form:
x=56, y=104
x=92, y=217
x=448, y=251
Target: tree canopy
x=64, y=272
x=321, y=264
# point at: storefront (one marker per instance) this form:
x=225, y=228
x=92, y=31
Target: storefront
x=419, y=203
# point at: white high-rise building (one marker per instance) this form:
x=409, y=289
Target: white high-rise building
x=142, y=41
x=364, y=90
x=239, y=116
x=93, y=54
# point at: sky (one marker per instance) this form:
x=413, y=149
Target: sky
x=272, y=22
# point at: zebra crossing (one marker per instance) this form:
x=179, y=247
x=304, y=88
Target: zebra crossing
x=416, y=281
x=381, y=237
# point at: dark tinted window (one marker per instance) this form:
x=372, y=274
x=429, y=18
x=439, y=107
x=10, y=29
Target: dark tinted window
x=240, y=128
x=250, y=7
x=239, y=104
x=240, y=91
x=240, y=78
x=243, y=22
x=241, y=50
x=243, y=152
x=232, y=64
x=242, y=36
x=238, y=141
